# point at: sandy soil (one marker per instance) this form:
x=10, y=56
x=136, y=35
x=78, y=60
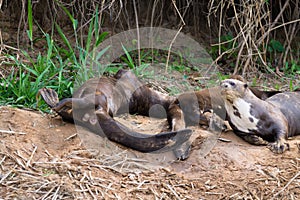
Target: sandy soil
x=42, y=157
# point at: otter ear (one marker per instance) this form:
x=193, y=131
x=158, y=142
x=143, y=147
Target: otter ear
x=245, y=85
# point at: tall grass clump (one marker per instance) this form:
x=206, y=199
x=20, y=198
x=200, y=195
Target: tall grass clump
x=20, y=87
x=58, y=67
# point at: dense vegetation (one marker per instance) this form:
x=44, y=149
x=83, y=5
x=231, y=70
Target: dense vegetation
x=55, y=39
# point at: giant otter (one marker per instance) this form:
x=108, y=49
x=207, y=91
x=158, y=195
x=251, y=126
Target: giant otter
x=95, y=103
x=261, y=122
x=194, y=108
x=205, y=107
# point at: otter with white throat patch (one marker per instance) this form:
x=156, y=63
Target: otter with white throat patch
x=261, y=122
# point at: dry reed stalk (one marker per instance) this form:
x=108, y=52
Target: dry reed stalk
x=173, y=40
x=253, y=28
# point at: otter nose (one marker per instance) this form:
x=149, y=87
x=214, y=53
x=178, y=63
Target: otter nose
x=224, y=84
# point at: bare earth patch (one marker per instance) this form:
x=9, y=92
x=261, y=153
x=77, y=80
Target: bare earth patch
x=42, y=158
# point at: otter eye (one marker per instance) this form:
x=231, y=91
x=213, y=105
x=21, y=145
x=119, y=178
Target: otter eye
x=232, y=83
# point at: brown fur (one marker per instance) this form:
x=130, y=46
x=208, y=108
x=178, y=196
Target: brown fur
x=271, y=121
x=190, y=108
x=204, y=107
x=95, y=103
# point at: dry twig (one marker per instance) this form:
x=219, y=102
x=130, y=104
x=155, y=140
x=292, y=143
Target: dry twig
x=12, y=132
x=284, y=188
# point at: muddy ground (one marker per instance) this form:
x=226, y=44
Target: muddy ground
x=42, y=157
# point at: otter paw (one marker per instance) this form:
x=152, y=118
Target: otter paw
x=278, y=147
x=256, y=140
x=49, y=96
x=183, y=152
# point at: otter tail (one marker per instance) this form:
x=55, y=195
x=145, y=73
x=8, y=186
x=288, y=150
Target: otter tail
x=142, y=142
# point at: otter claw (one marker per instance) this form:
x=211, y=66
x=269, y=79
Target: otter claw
x=49, y=96
x=257, y=140
x=278, y=147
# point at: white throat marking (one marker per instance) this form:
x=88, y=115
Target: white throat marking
x=243, y=122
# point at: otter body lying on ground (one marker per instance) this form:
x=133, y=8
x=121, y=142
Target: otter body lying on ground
x=205, y=107
x=260, y=122
x=95, y=103
x=194, y=108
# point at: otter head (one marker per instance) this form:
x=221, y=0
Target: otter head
x=237, y=77
x=232, y=89
x=126, y=75
x=127, y=80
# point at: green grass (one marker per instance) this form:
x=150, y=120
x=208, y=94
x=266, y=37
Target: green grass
x=20, y=87
x=65, y=65
x=30, y=21
x=57, y=68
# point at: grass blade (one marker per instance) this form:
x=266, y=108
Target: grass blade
x=129, y=59
x=30, y=25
